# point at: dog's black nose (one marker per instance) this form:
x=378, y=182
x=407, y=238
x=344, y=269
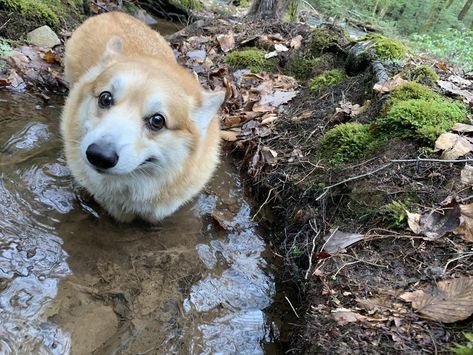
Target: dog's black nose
x=102, y=156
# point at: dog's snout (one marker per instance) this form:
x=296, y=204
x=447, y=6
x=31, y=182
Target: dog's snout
x=102, y=156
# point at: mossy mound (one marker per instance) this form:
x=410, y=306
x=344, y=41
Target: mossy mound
x=322, y=40
x=387, y=49
x=327, y=80
x=347, y=142
x=394, y=214
x=47, y=11
x=422, y=74
x=304, y=67
x=252, y=59
x=421, y=119
x=412, y=91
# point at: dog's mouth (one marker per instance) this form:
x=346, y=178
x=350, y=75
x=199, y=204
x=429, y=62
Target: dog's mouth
x=149, y=161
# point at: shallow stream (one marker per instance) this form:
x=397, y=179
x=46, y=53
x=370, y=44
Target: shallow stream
x=72, y=280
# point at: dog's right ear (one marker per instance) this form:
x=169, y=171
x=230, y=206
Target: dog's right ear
x=113, y=49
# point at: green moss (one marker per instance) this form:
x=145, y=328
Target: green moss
x=252, y=59
x=49, y=11
x=187, y=4
x=394, y=214
x=421, y=119
x=412, y=90
x=422, y=73
x=322, y=40
x=291, y=13
x=387, y=48
x=303, y=67
x=348, y=141
x=327, y=80
x=466, y=348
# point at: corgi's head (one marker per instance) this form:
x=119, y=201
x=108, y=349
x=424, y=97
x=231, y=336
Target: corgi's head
x=140, y=114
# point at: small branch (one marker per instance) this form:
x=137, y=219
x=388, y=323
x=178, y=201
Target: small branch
x=317, y=232
x=290, y=304
x=391, y=162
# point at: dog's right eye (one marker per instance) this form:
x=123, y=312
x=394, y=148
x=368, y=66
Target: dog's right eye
x=105, y=99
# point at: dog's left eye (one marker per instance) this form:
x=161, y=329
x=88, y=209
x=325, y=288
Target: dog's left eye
x=156, y=122
x=105, y=99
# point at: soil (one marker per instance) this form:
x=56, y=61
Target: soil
x=366, y=278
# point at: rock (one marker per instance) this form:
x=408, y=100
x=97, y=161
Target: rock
x=43, y=37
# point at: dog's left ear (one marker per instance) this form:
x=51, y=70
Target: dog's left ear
x=211, y=102
x=113, y=48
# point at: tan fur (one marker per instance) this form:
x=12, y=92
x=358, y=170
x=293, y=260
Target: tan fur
x=147, y=69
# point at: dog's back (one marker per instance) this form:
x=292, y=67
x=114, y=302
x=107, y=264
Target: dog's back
x=87, y=44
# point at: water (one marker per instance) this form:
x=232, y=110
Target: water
x=72, y=280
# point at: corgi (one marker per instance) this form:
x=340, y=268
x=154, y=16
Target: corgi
x=140, y=133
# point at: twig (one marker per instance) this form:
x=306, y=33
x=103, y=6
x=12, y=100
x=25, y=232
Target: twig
x=328, y=239
x=464, y=255
x=290, y=304
x=391, y=162
x=264, y=203
x=317, y=232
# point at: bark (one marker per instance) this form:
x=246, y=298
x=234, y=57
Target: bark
x=465, y=9
x=269, y=9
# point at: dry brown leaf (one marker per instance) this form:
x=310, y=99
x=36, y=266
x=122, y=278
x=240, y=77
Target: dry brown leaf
x=466, y=226
x=462, y=127
x=50, y=57
x=453, y=146
x=451, y=88
x=270, y=156
x=413, y=221
x=451, y=301
x=227, y=42
x=230, y=121
x=389, y=85
x=467, y=175
x=296, y=42
x=269, y=118
x=337, y=241
x=263, y=108
x=280, y=47
x=303, y=116
x=344, y=316
x=435, y=223
x=277, y=98
x=230, y=136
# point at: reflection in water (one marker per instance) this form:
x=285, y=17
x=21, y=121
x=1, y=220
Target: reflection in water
x=71, y=278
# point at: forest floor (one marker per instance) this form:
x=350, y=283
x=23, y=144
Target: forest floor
x=371, y=278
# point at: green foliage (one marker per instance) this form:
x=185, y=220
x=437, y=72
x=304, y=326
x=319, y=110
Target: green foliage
x=252, y=59
x=421, y=119
x=5, y=49
x=347, y=142
x=450, y=45
x=187, y=4
x=394, y=213
x=302, y=67
x=387, y=48
x=327, y=80
x=422, y=73
x=322, y=39
x=464, y=349
x=411, y=91
x=49, y=11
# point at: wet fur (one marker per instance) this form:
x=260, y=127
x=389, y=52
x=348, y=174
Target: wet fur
x=140, y=67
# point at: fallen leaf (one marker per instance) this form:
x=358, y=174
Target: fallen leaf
x=466, y=222
x=303, y=116
x=277, y=98
x=50, y=57
x=198, y=55
x=456, y=90
x=268, y=119
x=280, y=47
x=389, y=85
x=453, y=146
x=296, y=42
x=271, y=55
x=269, y=155
x=451, y=301
x=413, y=221
x=337, y=241
x=227, y=42
x=466, y=175
x=462, y=127
x=230, y=136
x=345, y=316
